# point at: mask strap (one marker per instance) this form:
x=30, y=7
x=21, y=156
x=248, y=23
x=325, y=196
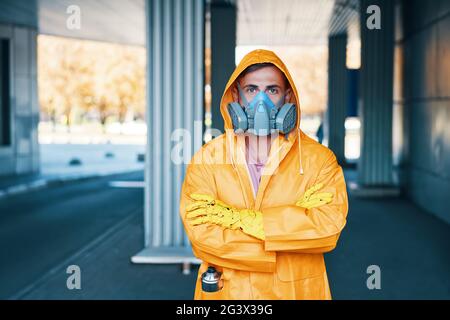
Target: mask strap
x=241, y=94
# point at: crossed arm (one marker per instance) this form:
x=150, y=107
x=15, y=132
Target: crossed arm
x=248, y=240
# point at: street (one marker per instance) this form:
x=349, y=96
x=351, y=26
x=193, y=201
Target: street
x=40, y=229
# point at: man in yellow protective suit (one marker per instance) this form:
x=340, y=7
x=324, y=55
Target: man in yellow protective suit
x=263, y=219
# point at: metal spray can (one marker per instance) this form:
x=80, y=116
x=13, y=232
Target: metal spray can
x=211, y=281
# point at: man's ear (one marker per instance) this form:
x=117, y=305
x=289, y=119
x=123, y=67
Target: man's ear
x=235, y=93
x=288, y=95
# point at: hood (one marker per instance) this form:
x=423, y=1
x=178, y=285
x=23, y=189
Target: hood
x=254, y=57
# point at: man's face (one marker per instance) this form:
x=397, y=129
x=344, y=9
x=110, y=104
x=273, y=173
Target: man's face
x=268, y=79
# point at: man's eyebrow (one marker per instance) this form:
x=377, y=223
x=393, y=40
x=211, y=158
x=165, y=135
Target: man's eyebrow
x=272, y=86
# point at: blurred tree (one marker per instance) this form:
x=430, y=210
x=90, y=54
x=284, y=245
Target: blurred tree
x=80, y=78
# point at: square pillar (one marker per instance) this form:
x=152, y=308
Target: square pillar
x=376, y=95
x=337, y=94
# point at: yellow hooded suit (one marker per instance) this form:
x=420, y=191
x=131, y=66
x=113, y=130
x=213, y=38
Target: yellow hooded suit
x=289, y=263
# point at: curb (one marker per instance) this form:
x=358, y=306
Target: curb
x=42, y=183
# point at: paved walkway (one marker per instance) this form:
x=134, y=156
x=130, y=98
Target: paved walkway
x=43, y=229
x=107, y=273
x=411, y=247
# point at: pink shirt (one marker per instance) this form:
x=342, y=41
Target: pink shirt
x=257, y=152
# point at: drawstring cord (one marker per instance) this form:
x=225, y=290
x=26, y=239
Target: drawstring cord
x=299, y=151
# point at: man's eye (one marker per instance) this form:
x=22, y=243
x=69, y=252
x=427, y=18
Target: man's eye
x=251, y=90
x=273, y=91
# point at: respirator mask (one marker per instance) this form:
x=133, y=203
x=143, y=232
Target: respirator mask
x=261, y=116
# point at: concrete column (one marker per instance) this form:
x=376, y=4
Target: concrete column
x=223, y=44
x=376, y=90
x=175, y=99
x=337, y=94
x=19, y=147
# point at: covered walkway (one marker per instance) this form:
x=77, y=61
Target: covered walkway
x=401, y=93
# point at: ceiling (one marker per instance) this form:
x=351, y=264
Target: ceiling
x=293, y=22
x=121, y=21
x=260, y=22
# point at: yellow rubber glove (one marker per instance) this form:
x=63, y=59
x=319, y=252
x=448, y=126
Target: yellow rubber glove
x=206, y=209
x=312, y=199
